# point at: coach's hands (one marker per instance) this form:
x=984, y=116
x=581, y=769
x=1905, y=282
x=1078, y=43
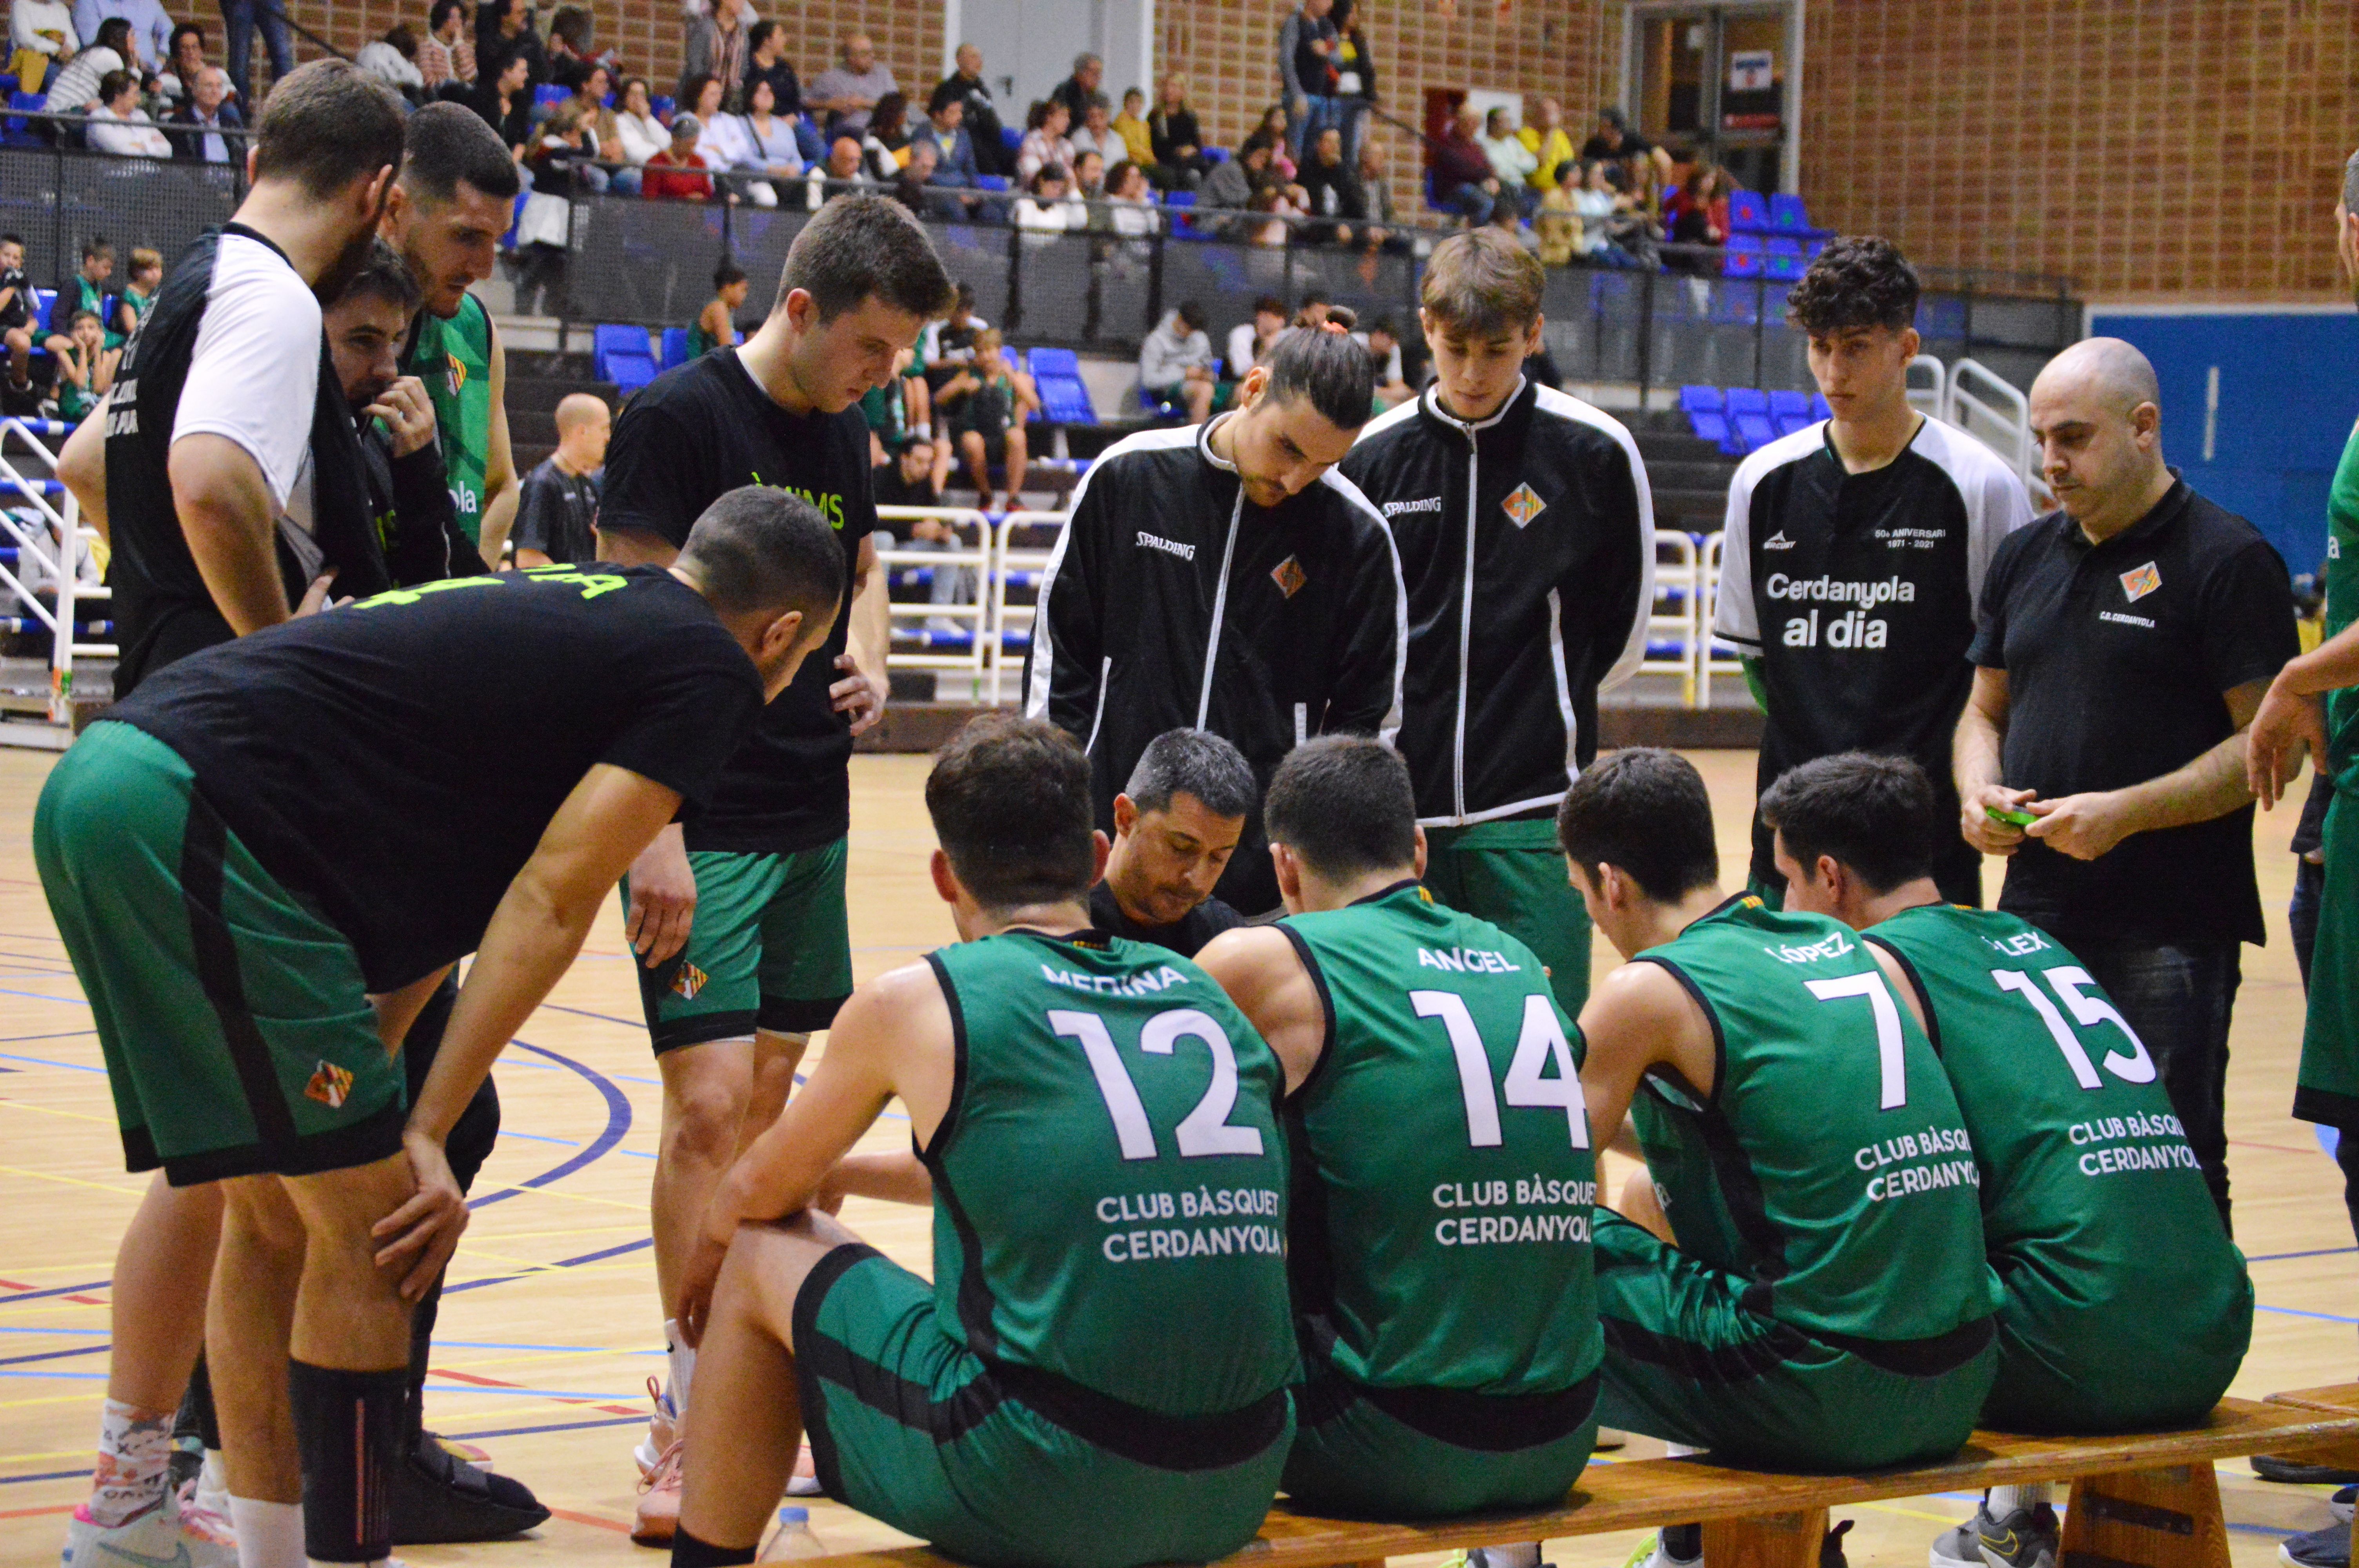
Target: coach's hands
x=2081, y=826
x=663, y=899
x=2287, y=724
x=858, y=695
x=408, y=413
x=429, y=1224
x=1985, y=832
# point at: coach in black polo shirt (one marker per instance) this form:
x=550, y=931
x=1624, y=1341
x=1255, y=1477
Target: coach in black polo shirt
x=2125, y=643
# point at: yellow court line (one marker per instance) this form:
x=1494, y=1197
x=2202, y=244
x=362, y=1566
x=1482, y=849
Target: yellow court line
x=48, y=1110
x=550, y=1270
x=29, y=1458
x=533, y=1360
x=73, y=1180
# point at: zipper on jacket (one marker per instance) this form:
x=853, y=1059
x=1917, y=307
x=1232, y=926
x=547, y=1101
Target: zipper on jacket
x=1472, y=432
x=1220, y=608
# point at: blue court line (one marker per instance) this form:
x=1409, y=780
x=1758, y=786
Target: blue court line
x=638, y=1024
x=54, y=1355
x=46, y=1476
x=58, y=1034
x=2296, y=1312
x=618, y=1122
x=539, y=1138
x=69, y=1377
x=28, y=1328
x=2316, y=1252
x=44, y=1062
x=600, y=1256
x=54, y=1290
x=44, y=996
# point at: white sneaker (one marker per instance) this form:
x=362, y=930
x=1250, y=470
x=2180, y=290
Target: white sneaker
x=204, y=1513
x=662, y=1429
x=157, y=1536
x=804, y=1482
x=1958, y=1548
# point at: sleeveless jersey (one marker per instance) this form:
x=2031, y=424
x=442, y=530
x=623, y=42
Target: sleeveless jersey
x=2341, y=609
x=2091, y=1195
x=454, y=359
x=1110, y=1180
x=1828, y=1163
x=1443, y=1171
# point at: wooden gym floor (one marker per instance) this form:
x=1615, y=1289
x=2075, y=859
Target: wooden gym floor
x=550, y=1328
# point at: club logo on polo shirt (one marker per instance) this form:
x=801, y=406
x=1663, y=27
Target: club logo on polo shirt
x=1289, y=577
x=330, y=1084
x=2140, y=581
x=1523, y=504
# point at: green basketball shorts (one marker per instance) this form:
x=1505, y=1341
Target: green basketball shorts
x=768, y=949
x=1687, y=1360
x=1513, y=875
x=1406, y=1453
x=237, y=1032
x=1007, y=1467
x=2084, y=1352
x=2327, y=1091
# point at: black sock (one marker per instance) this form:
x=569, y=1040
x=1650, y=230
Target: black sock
x=687, y=1551
x=348, y=1426
x=1684, y=1542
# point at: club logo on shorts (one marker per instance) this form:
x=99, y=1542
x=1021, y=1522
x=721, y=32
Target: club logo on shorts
x=2137, y=583
x=328, y=1085
x=1523, y=504
x=1289, y=577
x=689, y=980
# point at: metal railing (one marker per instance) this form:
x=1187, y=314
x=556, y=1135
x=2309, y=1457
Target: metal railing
x=53, y=544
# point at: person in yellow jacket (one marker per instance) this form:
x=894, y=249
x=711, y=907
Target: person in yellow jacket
x=1548, y=142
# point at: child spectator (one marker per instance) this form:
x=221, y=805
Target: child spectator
x=988, y=401
x=139, y=292
x=678, y=172
x=393, y=58
x=85, y=367
x=947, y=344
x=1138, y=142
x=897, y=410
x=16, y=316
x=716, y=324
x=556, y=515
x=1175, y=363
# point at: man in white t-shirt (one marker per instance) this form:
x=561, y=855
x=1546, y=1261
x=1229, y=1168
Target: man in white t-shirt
x=203, y=447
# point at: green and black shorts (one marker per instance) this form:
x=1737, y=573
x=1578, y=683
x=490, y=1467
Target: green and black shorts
x=1512, y=874
x=1692, y=1358
x=769, y=949
x=236, y=1028
x=1009, y=1466
x=2327, y=1091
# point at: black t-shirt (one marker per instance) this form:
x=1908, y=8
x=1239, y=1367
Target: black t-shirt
x=687, y=439
x=363, y=759
x=19, y=311
x=892, y=490
x=1632, y=145
x=1185, y=937
x=557, y=513
x=2116, y=656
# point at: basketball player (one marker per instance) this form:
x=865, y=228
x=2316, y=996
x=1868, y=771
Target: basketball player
x=1175, y=827
x=446, y=215
x=1826, y=1304
x=1097, y=1374
x=1440, y=1251
x=261, y=862
x=2126, y=1308
x=1223, y=576
x=1526, y=533
x=739, y=919
x=1857, y=549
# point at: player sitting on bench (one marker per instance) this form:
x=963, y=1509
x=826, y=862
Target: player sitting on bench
x=1097, y=1376
x=1443, y=1178
x=2126, y=1306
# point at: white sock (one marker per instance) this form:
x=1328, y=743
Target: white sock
x=2005, y=1501
x=134, y=1451
x=269, y=1535
x=1526, y=1555
x=1678, y=1450
x=683, y=1366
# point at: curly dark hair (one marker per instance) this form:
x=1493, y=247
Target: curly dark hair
x=1859, y=280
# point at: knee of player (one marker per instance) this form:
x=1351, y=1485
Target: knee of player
x=703, y=1119
x=260, y=1208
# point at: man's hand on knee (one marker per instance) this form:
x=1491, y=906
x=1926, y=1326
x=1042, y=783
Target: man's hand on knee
x=429, y=1224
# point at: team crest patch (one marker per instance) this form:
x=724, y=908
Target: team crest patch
x=328, y=1085
x=1289, y=577
x=457, y=375
x=1523, y=504
x=689, y=980
x=2139, y=583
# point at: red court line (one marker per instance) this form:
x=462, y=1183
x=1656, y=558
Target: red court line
x=68, y=1507
x=566, y=1514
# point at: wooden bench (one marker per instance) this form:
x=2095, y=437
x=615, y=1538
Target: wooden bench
x=2150, y=1500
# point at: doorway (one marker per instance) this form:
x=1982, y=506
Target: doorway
x=1721, y=80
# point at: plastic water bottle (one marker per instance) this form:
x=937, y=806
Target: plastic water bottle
x=793, y=1538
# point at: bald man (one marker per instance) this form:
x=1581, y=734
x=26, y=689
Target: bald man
x=2123, y=645
x=557, y=518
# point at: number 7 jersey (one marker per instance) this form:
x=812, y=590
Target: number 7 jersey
x=1109, y=1177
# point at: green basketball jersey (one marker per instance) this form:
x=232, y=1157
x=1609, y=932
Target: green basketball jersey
x=454, y=359
x=1109, y=1179
x=2341, y=609
x=1828, y=1163
x=1444, y=1177
x=2091, y=1200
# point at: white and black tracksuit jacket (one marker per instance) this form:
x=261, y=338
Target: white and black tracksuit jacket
x=1172, y=602
x=1527, y=541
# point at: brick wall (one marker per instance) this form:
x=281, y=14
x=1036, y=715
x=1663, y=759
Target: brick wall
x=2157, y=150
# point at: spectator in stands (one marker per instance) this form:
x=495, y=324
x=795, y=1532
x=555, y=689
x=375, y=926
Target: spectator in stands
x=767, y=61
x=887, y=145
x=1511, y=161
x=1089, y=185
x=1281, y=132
x=1611, y=224
x=180, y=67
x=716, y=324
x=206, y=114
x=1549, y=143
x=602, y=128
x=1138, y=141
x=1615, y=140
x=1076, y=91
x=1557, y=224
x=678, y=172
x=573, y=35
x=1334, y=192
x=1046, y=205
x=278, y=41
x=981, y=115
x=556, y=514
x=42, y=33
x=1179, y=144
x=847, y=91
x=85, y=366
x=1249, y=340
x=956, y=167
x=987, y=402
x=1230, y=186
x=16, y=321
x=560, y=165
x=151, y=26
x=394, y=59
x=718, y=45
x=504, y=99
x=1273, y=231
x=765, y=144
x=894, y=409
x=446, y=55
x=75, y=88
x=1379, y=189
x=1355, y=78
x=510, y=35
x=947, y=345
x=118, y=126
x=847, y=165
x=1463, y=175
x=1176, y=364
x=85, y=290
x=638, y=134
x=1383, y=346
x=1096, y=133
x=913, y=187
x=1307, y=69
x=1130, y=209
x=1044, y=140
x=912, y=479
x=139, y=288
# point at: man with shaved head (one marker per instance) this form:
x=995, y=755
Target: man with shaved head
x=557, y=518
x=2125, y=643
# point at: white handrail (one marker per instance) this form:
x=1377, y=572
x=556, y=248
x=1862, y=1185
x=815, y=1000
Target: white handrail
x=1934, y=399
x=70, y=589
x=1988, y=408
x=1678, y=595
x=1710, y=659
x=973, y=616
x=1007, y=619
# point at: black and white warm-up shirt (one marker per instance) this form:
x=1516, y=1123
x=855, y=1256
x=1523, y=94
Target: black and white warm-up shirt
x=1527, y=543
x=1171, y=602
x=1858, y=594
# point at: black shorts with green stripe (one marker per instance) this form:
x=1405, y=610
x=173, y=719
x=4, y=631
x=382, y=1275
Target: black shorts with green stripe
x=238, y=1034
x=1011, y=1466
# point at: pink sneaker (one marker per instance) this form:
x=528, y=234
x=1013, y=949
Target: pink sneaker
x=658, y=1512
x=200, y=1521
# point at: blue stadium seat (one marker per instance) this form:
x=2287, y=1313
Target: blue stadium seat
x=1747, y=213
x=627, y=372
x=662, y=106
x=1713, y=427
x=990, y=182
x=1789, y=411
x=675, y=347
x=1708, y=399
x=1785, y=261
x=1056, y=361
x=612, y=346
x=1747, y=400
x=1216, y=155
x=549, y=94
x=1010, y=138
x=15, y=129
x=1787, y=216
x=1754, y=431
x=1744, y=257
x=1178, y=198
